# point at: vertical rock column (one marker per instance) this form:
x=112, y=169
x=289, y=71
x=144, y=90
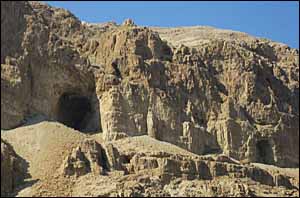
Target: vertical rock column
x=112, y=118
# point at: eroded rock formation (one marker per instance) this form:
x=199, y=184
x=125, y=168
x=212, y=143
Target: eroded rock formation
x=219, y=96
x=85, y=158
x=68, y=163
x=235, y=96
x=13, y=169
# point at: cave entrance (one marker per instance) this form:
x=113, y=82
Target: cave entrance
x=264, y=152
x=74, y=110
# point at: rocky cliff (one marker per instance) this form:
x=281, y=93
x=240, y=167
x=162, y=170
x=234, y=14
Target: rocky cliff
x=205, y=90
x=69, y=163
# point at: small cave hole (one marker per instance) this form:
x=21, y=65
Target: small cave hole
x=264, y=152
x=126, y=159
x=74, y=110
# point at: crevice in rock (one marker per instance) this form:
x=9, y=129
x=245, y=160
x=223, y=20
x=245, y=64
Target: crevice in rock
x=125, y=159
x=264, y=152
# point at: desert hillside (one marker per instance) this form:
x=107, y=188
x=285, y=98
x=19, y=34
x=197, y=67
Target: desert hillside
x=126, y=110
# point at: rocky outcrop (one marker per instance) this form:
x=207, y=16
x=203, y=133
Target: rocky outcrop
x=167, y=166
x=238, y=95
x=13, y=169
x=85, y=158
x=69, y=163
x=44, y=68
x=207, y=100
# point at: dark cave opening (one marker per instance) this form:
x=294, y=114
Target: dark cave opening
x=264, y=152
x=74, y=110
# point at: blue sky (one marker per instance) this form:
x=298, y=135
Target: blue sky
x=278, y=21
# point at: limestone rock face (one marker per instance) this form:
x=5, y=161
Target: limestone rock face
x=169, y=165
x=238, y=95
x=87, y=157
x=206, y=99
x=12, y=169
x=41, y=67
x=70, y=163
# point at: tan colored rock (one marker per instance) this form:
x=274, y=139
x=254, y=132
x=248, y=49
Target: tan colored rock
x=128, y=22
x=146, y=167
x=13, y=169
x=45, y=69
x=204, y=90
x=88, y=157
